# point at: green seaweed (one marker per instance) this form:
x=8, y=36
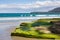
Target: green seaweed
x=28, y=30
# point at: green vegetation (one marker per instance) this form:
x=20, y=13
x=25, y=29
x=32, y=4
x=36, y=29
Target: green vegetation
x=25, y=26
x=29, y=30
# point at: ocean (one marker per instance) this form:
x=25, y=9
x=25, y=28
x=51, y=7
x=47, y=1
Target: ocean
x=22, y=16
x=6, y=17
x=28, y=14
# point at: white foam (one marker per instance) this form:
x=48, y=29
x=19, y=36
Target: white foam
x=18, y=18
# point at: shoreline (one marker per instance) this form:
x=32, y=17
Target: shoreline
x=24, y=38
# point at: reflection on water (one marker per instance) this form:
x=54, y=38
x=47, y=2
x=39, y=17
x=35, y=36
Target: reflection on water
x=6, y=26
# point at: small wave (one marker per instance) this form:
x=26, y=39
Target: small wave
x=23, y=18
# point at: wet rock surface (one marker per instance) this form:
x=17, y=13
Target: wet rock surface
x=55, y=28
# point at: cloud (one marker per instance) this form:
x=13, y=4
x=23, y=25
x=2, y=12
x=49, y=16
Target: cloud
x=31, y=5
x=35, y=6
x=49, y=3
x=22, y=6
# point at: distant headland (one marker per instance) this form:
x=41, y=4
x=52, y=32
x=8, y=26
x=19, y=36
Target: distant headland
x=55, y=10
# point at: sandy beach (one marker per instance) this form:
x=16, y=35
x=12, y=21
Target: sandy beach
x=23, y=38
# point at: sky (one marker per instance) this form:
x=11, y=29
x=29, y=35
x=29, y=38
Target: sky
x=26, y=6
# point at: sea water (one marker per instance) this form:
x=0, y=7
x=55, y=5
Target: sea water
x=12, y=20
x=29, y=14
